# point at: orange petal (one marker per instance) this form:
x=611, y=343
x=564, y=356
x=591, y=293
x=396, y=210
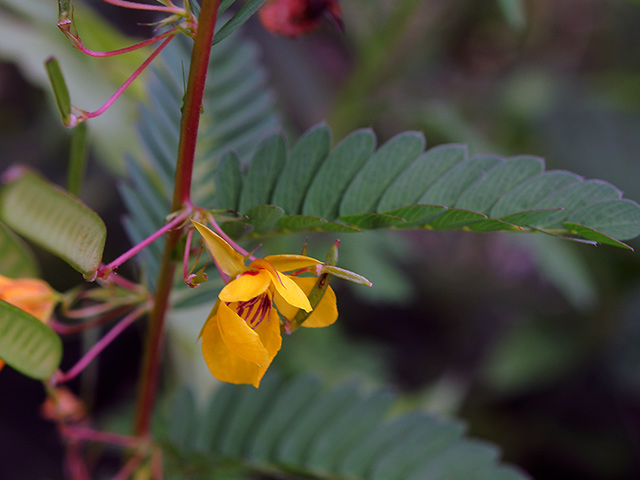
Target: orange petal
x=227, y=259
x=32, y=295
x=240, y=338
x=247, y=286
x=288, y=263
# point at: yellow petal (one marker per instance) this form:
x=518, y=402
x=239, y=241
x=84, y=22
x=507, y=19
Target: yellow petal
x=269, y=332
x=227, y=259
x=290, y=291
x=288, y=263
x=210, y=318
x=247, y=286
x=240, y=338
x=325, y=313
x=284, y=285
x=225, y=365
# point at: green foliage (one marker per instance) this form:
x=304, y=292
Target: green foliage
x=26, y=344
x=297, y=427
x=60, y=90
x=54, y=220
x=354, y=186
x=235, y=22
x=16, y=260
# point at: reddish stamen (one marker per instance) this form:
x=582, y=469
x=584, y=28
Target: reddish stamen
x=254, y=311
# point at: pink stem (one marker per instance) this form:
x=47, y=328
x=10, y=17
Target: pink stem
x=128, y=82
x=187, y=251
x=142, y=6
x=129, y=468
x=156, y=465
x=64, y=329
x=92, y=311
x=224, y=276
x=104, y=271
x=75, y=463
x=123, y=282
x=77, y=43
x=82, y=433
x=99, y=346
x=226, y=237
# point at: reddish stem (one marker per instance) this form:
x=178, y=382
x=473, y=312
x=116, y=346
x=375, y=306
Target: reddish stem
x=181, y=196
x=193, y=101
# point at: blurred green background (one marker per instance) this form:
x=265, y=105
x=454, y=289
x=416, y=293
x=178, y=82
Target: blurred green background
x=535, y=342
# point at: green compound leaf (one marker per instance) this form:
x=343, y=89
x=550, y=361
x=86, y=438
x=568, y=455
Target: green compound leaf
x=28, y=345
x=16, y=260
x=244, y=14
x=355, y=186
x=53, y=219
x=298, y=428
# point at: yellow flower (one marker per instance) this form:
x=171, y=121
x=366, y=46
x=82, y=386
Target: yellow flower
x=32, y=295
x=242, y=333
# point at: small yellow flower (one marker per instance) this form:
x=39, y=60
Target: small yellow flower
x=242, y=333
x=32, y=295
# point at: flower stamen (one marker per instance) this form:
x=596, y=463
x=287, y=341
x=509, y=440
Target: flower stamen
x=255, y=310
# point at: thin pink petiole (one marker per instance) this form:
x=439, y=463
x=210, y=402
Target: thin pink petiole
x=91, y=311
x=226, y=237
x=85, y=115
x=105, y=270
x=129, y=468
x=64, y=329
x=81, y=433
x=187, y=251
x=77, y=43
x=99, y=346
x=142, y=6
x=123, y=282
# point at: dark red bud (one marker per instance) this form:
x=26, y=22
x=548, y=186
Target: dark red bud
x=293, y=18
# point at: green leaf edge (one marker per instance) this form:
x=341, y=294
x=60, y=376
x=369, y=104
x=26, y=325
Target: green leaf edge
x=38, y=355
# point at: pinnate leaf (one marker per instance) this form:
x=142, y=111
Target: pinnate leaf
x=354, y=186
x=296, y=427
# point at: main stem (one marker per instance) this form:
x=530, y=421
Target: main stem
x=181, y=196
